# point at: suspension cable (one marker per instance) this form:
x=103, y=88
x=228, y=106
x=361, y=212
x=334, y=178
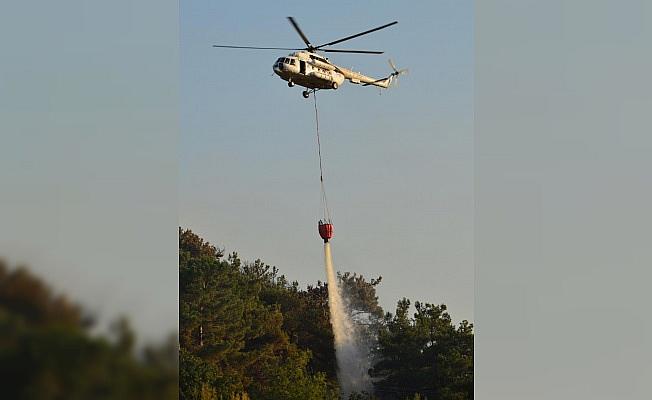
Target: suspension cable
x=324, y=200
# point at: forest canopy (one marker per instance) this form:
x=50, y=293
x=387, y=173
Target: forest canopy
x=247, y=332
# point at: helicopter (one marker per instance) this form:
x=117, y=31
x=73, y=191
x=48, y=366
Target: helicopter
x=305, y=67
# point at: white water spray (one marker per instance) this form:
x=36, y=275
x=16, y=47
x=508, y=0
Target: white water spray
x=351, y=361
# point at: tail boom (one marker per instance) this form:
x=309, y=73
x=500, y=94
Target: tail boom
x=358, y=78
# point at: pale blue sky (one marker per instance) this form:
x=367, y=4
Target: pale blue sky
x=399, y=165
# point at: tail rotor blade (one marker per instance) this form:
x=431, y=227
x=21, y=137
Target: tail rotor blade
x=396, y=73
x=392, y=66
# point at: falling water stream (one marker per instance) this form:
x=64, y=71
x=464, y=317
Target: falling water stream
x=351, y=361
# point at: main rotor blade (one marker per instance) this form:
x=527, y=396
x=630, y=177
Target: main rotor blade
x=300, y=32
x=351, y=51
x=358, y=34
x=255, y=48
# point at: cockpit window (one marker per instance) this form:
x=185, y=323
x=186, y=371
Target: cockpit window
x=292, y=61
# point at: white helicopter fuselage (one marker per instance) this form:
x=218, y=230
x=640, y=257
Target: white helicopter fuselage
x=313, y=71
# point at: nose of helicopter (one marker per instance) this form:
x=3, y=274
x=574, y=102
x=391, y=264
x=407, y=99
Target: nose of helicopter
x=277, y=68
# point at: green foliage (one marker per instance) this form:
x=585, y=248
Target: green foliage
x=426, y=354
x=306, y=317
x=362, y=396
x=47, y=353
x=361, y=295
x=247, y=332
x=232, y=335
x=365, y=311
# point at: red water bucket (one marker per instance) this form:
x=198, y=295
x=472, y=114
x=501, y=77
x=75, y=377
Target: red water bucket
x=325, y=230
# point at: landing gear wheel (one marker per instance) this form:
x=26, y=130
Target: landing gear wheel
x=290, y=84
x=334, y=85
x=305, y=94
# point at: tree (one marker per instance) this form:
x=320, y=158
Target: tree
x=246, y=331
x=367, y=314
x=46, y=351
x=232, y=335
x=425, y=354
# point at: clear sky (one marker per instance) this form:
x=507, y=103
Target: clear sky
x=398, y=163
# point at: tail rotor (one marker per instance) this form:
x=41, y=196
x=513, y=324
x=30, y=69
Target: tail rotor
x=396, y=72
